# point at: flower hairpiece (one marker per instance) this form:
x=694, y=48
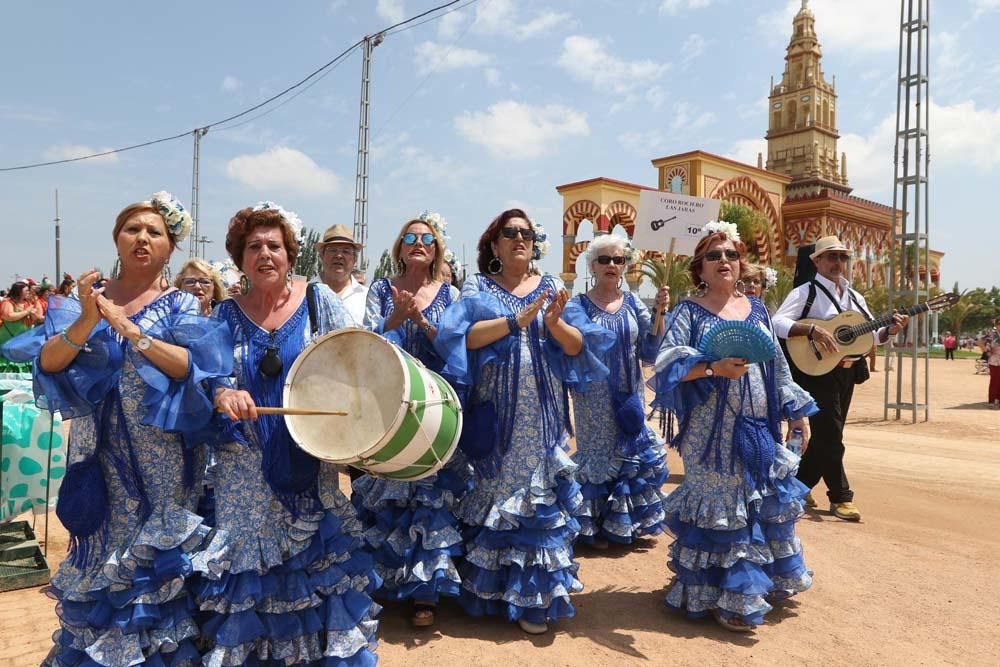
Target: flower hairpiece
x=631, y=254
x=293, y=220
x=727, y=228
x=435, y=220
x=228, y=272
x=177, y=219
x=770, y=277
x=541, y=245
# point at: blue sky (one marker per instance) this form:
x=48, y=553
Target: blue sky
x=488, y=107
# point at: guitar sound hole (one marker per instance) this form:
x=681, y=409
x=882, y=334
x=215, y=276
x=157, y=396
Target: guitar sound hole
x=844, y=335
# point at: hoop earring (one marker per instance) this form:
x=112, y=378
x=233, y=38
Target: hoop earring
x=740, y=287
x=495, y=265
x=165, y=275
x=621, y=279
x=701, y=290
x=400, y=267
x=245, y=284
x=288, y=279
x=117, y=268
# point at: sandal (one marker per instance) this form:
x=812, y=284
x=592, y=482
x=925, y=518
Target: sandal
x=533, y=628
x=733, y=623
x=423, y=614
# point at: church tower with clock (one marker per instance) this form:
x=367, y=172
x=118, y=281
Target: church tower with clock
x=802, y=118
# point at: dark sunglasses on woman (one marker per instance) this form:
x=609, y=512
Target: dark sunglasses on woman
x=608, y=259
x=511, y=232
x=410, y=238
x=716, y=255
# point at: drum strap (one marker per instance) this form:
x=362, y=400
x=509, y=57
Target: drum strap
x=311, y=304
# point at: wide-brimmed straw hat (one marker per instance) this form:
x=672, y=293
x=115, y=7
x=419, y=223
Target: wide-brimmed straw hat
x=338, y=234
x=828, y=244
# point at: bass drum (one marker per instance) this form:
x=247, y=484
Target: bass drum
x=403, y=421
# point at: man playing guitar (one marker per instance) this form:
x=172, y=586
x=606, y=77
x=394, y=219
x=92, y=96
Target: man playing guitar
x=827, y=295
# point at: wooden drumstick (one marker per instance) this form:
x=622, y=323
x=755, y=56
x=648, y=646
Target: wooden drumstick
x=300, y=411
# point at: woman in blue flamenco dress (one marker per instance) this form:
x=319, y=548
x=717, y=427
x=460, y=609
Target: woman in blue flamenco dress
x=622, y=463
x=411, y=527
x=126, y=363
x=734, y=515
x=292, y=584
x=510, y=353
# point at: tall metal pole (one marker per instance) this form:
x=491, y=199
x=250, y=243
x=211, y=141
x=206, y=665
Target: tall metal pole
x=196, y=190
x=58, y=277
x=361, y=180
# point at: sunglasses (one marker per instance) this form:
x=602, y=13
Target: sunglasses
x=191, y=282
x=512, y=232
x=270, y=364
x=608, y=259
x=716, y=255
x=410, y=238
x=843, y=257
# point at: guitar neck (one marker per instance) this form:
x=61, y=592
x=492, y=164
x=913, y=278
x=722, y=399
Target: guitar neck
x=886, y=320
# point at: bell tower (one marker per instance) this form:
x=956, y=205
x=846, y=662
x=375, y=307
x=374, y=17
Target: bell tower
x=802, y=127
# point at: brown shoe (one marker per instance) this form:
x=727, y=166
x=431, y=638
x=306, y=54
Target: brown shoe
x=845, y=511
x=809, y=501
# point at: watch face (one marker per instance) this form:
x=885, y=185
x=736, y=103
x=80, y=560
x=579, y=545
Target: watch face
x=144, y=343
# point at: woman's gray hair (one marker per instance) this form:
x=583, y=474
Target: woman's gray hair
x=604, y=243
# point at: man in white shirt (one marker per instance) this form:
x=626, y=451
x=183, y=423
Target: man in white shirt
x=828, y=294
x=337, y=253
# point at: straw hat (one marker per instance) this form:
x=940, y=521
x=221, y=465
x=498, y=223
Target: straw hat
x=828, y=244
x=338, y=234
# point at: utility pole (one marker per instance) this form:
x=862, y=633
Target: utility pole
x=203, y=240
x=361, y=181
x=195, y=189
x=58, y=277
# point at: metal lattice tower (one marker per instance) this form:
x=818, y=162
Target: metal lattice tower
x=909, y=258
x=196, y=193
x=361, y=180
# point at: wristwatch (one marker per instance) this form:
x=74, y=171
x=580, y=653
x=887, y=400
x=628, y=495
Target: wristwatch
x=708, y=370
x=143, y=343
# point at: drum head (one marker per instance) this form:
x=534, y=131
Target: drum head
x=353, y=370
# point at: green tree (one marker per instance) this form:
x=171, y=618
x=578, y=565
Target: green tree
x=676, y=276
x=955, y=316
x=749, y=222
x=307, y=263
x=384, y=268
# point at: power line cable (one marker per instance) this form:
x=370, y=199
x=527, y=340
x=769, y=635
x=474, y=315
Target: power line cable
x=250, y=110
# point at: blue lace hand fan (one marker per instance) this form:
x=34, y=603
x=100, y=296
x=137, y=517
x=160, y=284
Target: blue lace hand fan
x=733, y=338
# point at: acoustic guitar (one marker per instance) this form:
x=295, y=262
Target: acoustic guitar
x=850, y=329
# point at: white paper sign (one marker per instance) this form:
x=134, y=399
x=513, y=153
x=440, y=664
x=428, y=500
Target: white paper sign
x=664, y=216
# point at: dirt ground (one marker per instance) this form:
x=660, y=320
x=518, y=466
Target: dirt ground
x=917, y=582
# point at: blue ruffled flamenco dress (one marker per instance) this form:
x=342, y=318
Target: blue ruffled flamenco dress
x=521, y=515
x=130, y=493
x=411, y=527
x=734, y=515
x=291, y=583
x=622, y=463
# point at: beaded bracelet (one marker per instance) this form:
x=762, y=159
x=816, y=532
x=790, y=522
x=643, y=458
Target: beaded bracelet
x=513, y=326
x=78, y=348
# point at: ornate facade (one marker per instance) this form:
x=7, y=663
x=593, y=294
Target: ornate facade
x=803, y=192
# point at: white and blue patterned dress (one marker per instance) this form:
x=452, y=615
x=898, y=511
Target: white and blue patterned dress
x=293, y=584
x=411, y=527
x=734, y=515
x=130, y=493
x=520, y=514
x=620, y=473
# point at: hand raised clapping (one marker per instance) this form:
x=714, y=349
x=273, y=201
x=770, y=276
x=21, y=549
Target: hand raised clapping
x=555, y=308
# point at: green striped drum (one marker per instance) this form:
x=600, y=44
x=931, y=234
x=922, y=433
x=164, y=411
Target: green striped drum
x=403, y=420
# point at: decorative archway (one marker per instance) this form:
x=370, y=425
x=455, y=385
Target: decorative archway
x=581, y=210
x=621, y=213
x=745, y=190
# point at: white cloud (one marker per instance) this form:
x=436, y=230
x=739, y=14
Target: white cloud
x=230, y=84
x=450, y=24
x=673, y=7
x=985, y=6
x=71, y=151
x=501, y=17
x=416, y=163
x=390, y=10
x=283, y=169
x=431, y=57
x=512, y=130
x=687, y=117
x=586, y=59
x=859, y=26
x=693, y=47
x=648, y=143
x=746, y=150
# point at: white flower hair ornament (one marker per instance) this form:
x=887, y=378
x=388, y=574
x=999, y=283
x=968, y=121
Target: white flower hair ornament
x=177, y=219
x=436, y=221
x=542, y=244
x=631, y=254
x=727, y=228
x=770, y=277
x=228, y=271
x=293, y=220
